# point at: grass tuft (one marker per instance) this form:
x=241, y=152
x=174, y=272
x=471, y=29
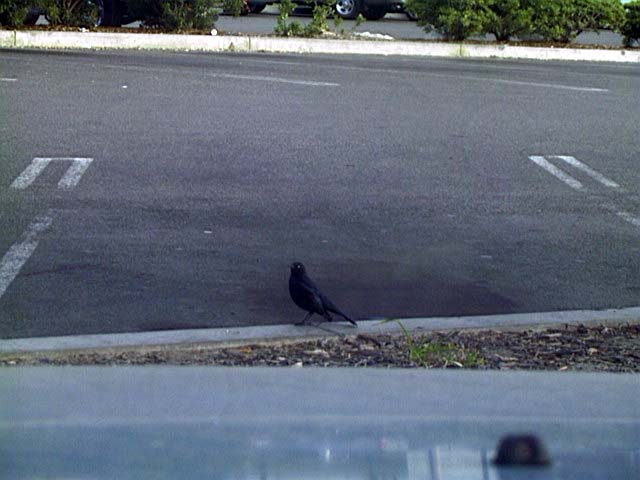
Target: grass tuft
x=434, y=353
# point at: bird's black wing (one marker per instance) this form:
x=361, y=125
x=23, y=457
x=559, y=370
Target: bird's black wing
x=306, y=296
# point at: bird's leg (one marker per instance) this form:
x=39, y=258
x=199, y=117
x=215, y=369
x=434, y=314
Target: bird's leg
x=303, y=322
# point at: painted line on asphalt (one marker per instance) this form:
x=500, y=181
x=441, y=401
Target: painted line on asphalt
x=575, y=184
x=74, y=173
x=542, y=85
x=556, y=172
x=69, y=180
x=627, y=217
x=355, y=68
x=20, y=252
x=588, y=170
x=8, y=79
x=26, y=178
x=460, y=76
x=243, y=335
x=470, y=61
x=624, y=215
x=234, y=76
x=273, y=79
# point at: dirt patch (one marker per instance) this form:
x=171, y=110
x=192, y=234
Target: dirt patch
x=611, y=348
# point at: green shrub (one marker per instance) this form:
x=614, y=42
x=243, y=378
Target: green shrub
x=318, y=25
x=508, y=18
x=454, y=19
x=630, y=28
x=177, y=15
x=283, y=26
x=320, y=22
x=235, y=7
x=76, y=13
x=563, y=20
x=338, y=21
x=14, y=13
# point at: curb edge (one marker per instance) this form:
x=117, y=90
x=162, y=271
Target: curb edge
x=257, y=44
x=239, y=335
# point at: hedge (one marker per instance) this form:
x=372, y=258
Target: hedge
x=563, y=20
x=15, y=13
x=630, y=28
x=552, y=20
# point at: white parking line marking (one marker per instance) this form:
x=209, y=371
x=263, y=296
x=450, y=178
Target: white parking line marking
x=19, y=253
x=588, y=170
x=73, y=175
x=275, y=79
x=461, y=76
x=541, y=85
x=30, y=173
x=69, y=180
x=627, y=217
x=8, y=79
x=556, y=172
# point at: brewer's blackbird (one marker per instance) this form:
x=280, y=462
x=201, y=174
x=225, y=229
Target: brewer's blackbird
x=308, y=296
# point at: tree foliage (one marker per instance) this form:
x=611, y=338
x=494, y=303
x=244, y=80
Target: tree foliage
x=563, y=20
x=630, y=28
x=553, y=20
x=177, y=15
x=508, y=18
x=14, y=13
x=77, y=13
x=454, y=19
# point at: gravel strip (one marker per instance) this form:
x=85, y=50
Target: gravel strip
x=611, y=348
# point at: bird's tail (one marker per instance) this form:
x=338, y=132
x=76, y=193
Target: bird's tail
x=330, y=307
x=349, y=320
x=329, y=318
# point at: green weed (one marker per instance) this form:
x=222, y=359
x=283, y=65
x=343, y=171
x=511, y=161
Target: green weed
x=436, y=353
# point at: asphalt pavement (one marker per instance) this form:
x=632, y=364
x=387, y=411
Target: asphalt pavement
x=155, y=191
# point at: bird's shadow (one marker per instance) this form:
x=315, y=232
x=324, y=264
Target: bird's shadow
x=320, y=326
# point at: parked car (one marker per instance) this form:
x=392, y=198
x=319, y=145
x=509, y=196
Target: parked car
x=347, y=9
x=114, y=13
x=370, y=9
x=31, y=19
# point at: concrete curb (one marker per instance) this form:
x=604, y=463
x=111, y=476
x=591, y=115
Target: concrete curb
x=242, y=335
x=142, y=41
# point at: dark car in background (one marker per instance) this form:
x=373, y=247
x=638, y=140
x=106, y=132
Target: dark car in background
x=110, y=13
x=347, y=9
x=113, y=13
x=370, y=9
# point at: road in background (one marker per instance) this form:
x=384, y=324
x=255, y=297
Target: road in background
x=396, y=25
x=409, y=187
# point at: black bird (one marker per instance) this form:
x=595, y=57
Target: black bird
x=308, y=296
